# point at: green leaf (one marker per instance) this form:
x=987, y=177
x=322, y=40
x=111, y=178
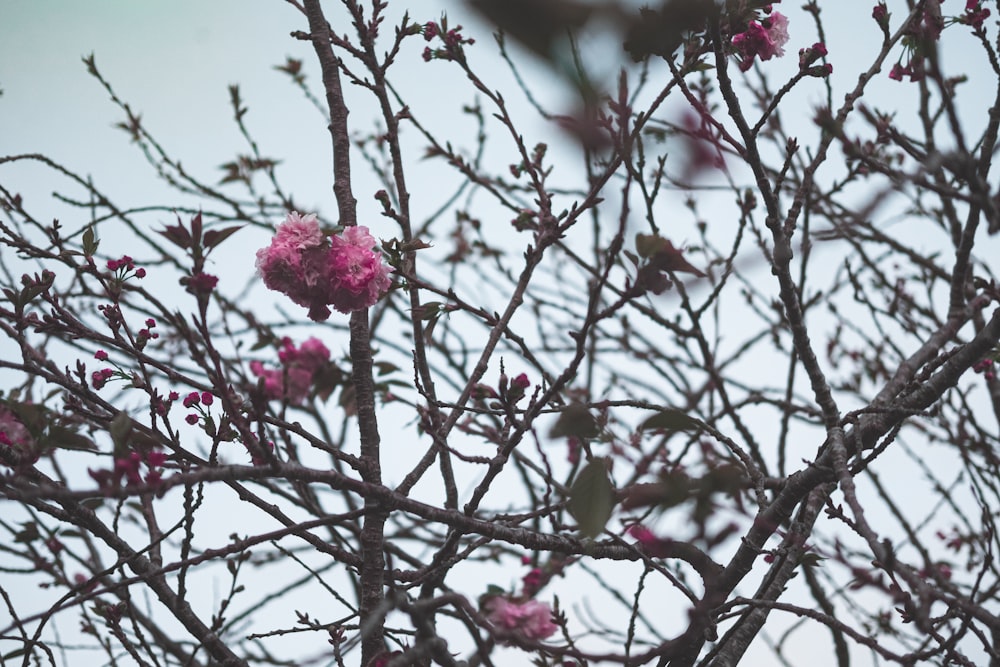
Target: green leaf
x=671, y=419
x=28, y=533
x=648, y=245
x=264, y=341
x=592, y=498
x=90, y=242
x=493, y=589
x=386, y=367
x=61, y=437
x=575, y=421
x=811, y=559
x=120, y=428
x=32, y=415
x=209, y=426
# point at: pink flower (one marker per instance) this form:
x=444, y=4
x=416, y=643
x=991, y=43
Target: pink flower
x=764, y=39
x=300, y=366
x=101, y=377
x=312, y=352
x=650, y=544
x=533, y=581
x=881, y=15
x=273, y=384
x=155, y=459
x=294, y=264
x=358, y=276
x=12, y=432
x=975, y=14
x=644, y=535
x=344, y=272
x=202, y=283
x=530, y=620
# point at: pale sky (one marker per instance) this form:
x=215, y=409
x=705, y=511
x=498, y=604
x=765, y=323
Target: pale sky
x=173, y=61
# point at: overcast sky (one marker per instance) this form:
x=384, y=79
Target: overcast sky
x=173, y=61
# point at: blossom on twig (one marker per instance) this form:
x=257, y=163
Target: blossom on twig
x=315, y=272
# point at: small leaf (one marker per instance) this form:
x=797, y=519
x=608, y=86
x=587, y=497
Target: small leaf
x=575, y=421
x=428, y=311
x=177, y=234
x=119, y=429
x=90, y=242
x=196, y=227
x=671, y=419
x=61, y=437
x=662, y=31
x=214, y=237
x=540, y=26
x=493, y=589
x=592, y=498
x=34, y=416
x=386, y=367
x=811, y=559
x=28, y=294
x=28, y=533
x=648, y=245
x=209, y=426
x=264, y=341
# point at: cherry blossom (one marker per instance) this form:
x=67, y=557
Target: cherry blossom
x=344, y=271
x=764, y=39
x=295, y=379
x=529, y=620
x=12, y=431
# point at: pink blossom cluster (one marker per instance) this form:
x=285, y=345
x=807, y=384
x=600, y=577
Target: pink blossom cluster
x=513, y=390
x=975, y=14
x=530, y=619
x=809, y=56
x=453, y=41
x=100, y=377
x=128, y=468
x=315, y=272
x=651, y=544
x=161, y=406
x=124, y=265
x=195, y=401
x=299, y=365
x=200, y=283
x=985, y=367
x=763, y=39
x=12, y=432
